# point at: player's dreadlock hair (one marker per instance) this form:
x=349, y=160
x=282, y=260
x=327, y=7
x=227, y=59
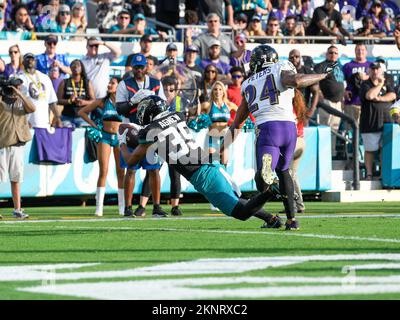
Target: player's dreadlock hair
x=299, y=105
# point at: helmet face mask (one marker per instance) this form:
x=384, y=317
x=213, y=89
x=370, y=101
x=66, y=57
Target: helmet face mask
x=149, y=108
x=261, y=57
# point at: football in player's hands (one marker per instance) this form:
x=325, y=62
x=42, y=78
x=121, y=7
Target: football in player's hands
x=330, y=67
x=128, y=133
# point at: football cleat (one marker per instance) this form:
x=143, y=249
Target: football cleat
x=140, y=211
x=158, y=212
x=19, y=214
x=293, y=225
x=266, y=171
x=176, y=211
x=128, y=211
x=274, y=223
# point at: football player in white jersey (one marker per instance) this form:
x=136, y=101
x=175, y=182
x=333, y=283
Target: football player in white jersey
x=268, y=95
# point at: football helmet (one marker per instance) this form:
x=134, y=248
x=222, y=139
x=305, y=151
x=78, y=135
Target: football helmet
x=261, y=57
x=149, y=108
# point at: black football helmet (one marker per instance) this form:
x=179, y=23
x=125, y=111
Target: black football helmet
x=149, y=108
x=261, y=57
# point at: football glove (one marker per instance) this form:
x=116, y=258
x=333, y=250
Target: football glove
x=330, y=67
x=122, y=137
x=140, y=95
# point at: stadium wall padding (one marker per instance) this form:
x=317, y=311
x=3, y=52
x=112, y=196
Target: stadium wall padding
x=79, y=178
x=391, y=156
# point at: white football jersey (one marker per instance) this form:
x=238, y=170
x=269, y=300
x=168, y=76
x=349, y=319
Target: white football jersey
x=267, y=98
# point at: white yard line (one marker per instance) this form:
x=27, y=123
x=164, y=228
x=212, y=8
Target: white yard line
x=330, y=216
x=262, y=233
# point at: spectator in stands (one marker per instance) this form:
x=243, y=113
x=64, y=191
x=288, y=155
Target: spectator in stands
x=214, y=54
x=214, y=33
x=355, y=72
x=146, y=42
x=152, y=62
x=74, y=94
x=126, y=91
x=255, y=29
x=205, y=7
x=396, y=32
x=368, y=29
x=191, y=18
x=326, y=21
x=171, y=54
x=240, y=23
x=362, y=9
x=332, y=92
x=189, y=61
x=388, y=77
x=106, y=13
x=50, y=58
x=38, y=87
x=234, y=89
x=3, y=7
x=273, y=30
x=140, y=27
x=305, y=13
x=377, y=96
x=218, y=107
x=21, y=22
x=78, y=18
x=108, y=124
x=63, y=20
x=282, y=12
x=292, y=29
x=379, y=17
x=55, y=77
x=14, y=133
x=123, y=26
x=97, y=66
x=14, y=67
x=250, y=8
x=210, y=76
x=311, y=93
x=241, y=58
x=46, y=21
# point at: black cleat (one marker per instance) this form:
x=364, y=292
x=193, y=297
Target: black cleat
x=175, y=211
x=128, y=212
x=140, y=212
x=274, y=223
x=293, y=225
x=158, y=212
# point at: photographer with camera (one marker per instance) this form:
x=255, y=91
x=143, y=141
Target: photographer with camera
x=14, y=133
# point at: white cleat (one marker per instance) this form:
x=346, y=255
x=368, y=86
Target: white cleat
x=266, y=171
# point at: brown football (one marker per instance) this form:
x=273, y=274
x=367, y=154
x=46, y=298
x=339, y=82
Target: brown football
x=132, y=138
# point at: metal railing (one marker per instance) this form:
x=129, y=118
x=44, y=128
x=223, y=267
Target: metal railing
x=355, y=140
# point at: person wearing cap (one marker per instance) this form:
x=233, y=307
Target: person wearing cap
x=355, y=72
x=39, y=88
x=171, y=54
x=63, y=20
x=241, y=58
x=379, y=17
x=49, y=59
x=321, y=16
x=255, y=29
x=214, y=57
x=240, y=22
x=97, y=65
x=146, y=42
x=123, y=26
x=377, y=96
x=388, y=77
x=189, y=61
x=140, y=27
x=136, y=81
x=213, y=33
x=14, y=134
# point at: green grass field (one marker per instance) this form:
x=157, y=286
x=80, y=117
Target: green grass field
x=343, y=251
